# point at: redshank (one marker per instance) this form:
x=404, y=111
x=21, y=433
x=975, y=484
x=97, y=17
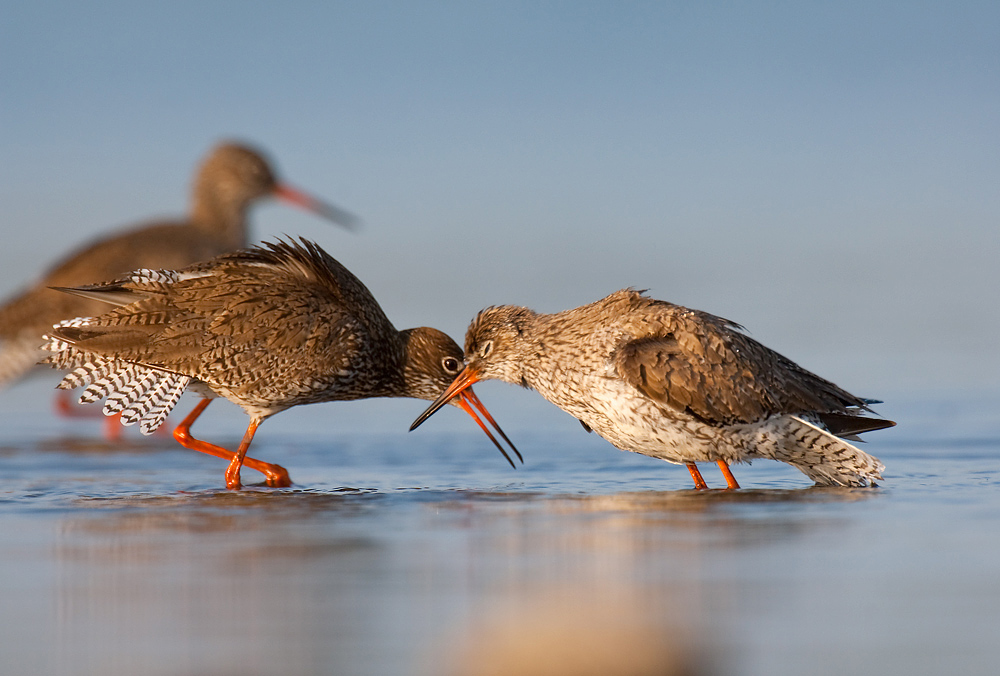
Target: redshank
x=267, y=328
x=231, y=178
x=673, y=383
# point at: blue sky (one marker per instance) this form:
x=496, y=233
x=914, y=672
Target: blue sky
x=826, y=174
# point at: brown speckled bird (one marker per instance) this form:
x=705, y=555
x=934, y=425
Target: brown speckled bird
x=231, y=178
x=673, y=383
x=267, y=328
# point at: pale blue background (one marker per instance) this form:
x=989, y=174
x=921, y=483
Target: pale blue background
x=825, y=174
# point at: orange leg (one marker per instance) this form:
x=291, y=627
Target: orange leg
x=699, y=482
x=233, y=471
x=276, y=475
x=726, y=472
x=67, y=408
x=113, y=427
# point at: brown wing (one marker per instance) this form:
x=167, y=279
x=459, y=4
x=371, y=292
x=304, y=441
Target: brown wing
x=24, y=318
x=243, y=320
x=703, y=365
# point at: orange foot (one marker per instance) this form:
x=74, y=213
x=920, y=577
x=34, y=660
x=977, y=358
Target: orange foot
x=276, y=476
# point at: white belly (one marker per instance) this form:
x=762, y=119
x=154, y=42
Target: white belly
x=632, y=422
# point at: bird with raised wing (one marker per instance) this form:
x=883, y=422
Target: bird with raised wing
x=268, y=328
x=230, y=179
x=673, y=383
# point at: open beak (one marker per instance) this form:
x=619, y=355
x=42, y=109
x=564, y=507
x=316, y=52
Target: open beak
x=461, y=387
x=294, y=196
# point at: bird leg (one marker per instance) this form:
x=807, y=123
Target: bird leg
x=726, y=472
x=233, y=471
x=67, y=409
x=277, y=476
x=699, y=482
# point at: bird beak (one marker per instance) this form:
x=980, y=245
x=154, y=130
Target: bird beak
x=300, y=199
x=461, y=388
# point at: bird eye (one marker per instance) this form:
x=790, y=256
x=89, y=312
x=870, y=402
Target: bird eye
x=450, y=364
x=485, y=350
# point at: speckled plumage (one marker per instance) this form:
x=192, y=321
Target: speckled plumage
x=230, y=179
x=268, y=328
x=674, y=383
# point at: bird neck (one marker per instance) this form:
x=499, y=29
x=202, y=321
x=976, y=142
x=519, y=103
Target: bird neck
x=525, y=346
x=417, y=362
x=222, y=216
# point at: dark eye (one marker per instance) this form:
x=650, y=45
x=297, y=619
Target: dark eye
x=451, y=364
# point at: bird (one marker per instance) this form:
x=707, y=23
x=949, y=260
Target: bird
x=268, y=327
x=231, y=178
x=673, y=383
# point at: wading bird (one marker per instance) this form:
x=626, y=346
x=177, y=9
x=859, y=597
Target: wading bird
x=267, y=328
x=673, y=383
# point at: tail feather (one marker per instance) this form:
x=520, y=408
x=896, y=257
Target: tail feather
x=826, y=459
x=849, y=425
x=136, y=382
x=141, y=394
x=124, y=291
x=153, y=409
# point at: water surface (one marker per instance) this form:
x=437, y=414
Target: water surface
x=425, y=553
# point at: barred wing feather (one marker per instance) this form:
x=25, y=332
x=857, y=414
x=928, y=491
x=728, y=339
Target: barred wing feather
x=141, y=394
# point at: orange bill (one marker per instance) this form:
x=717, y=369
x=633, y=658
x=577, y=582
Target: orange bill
x=471, y=397
x=461, y=388
x=294, y=196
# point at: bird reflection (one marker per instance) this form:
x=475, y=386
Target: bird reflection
x=560, y=634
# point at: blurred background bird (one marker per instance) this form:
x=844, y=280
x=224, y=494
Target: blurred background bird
x=227, y=183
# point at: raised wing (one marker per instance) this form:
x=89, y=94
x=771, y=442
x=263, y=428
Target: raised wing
x=215, y=319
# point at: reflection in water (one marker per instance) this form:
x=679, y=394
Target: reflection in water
x=207, y=583
x=624, y=583
x=334, y=582
x=108, y=569
x=565, y=633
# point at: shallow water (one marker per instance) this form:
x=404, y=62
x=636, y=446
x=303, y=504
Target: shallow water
x=425, y=553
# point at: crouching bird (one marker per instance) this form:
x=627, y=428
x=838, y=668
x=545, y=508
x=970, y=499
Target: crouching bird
x=673, y=383
x=268, y=328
